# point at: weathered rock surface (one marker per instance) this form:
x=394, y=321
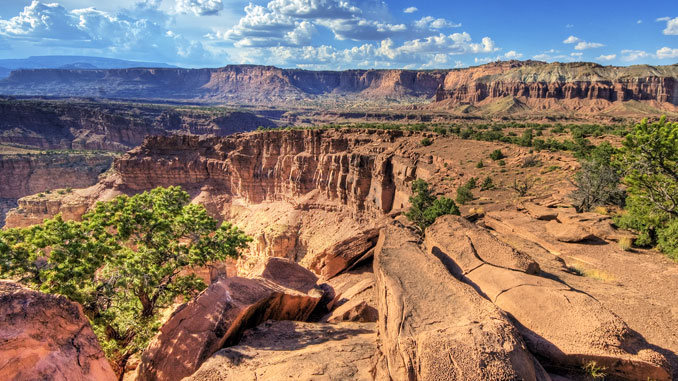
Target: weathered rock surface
x=434, y=327
x=47, y=337
x=297, y=351
x=540, y=212
x=286, y=273
x=343, y=254
x=568, y=231
x=217, y=318
x=562, y=325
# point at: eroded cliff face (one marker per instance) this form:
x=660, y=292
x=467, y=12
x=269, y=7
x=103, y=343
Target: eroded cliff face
x=110, y=126
x=249, y=84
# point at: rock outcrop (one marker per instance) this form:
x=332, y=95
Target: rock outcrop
x=434, y=327
x=285, y=350
x=217, y=318
x=82, y=125
x=559, y=324
x=24, y=175
x=47, y=337
x=573, y=85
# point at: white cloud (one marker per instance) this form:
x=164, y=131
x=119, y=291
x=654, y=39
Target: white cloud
x=362, y=29
x=410, y=10
x=429, y=22
x=550, y=57
x=577, y=55
x=671, y=27
x=639, y=22
x=510, y=55
x=583, y=45
x=660, y=19
x=667, y=52
x=608, y=57
x=140, y=33
x=432, y=51
x=311, y=9
x=571, y=40
x=629, y=55
x=200, y=7
x=569, y=26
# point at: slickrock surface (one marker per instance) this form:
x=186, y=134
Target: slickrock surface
x=217, y=318
x=434, y=327
x=563, y=325
x=47, y=337
x=286, y=350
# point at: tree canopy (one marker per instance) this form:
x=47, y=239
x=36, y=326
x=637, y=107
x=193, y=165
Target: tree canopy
x=425, y=208
x=124, y=261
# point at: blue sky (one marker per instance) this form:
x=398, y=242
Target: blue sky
x=342, y=34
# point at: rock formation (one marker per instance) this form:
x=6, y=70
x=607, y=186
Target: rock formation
x=559, y=324
x=297, y=351
x=572, y=86
x=82, y=125
x=47, y=337
x=434, y=327
x=219, y=315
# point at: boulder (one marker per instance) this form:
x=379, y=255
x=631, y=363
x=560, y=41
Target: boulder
x=565, y=327
x=343, y=254
x=286, y=273
x=540, y=212
x=47, y=337
x=217, y=318
x=568, y=231
x=434, y=327
x=286, y=350
x=354, y=297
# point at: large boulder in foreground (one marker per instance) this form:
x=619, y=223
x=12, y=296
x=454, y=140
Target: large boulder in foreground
x=563, y=326
x=46, y=337
x=342, y=255
x=217, y=318
x=287, y=350
x=434, y=327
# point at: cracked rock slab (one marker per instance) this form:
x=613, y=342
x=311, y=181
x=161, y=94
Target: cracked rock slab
x=434, y=327
x=564, y=326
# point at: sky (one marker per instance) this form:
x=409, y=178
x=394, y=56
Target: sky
x=344, y=34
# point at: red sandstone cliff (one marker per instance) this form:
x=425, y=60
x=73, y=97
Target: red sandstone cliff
x=527, y=80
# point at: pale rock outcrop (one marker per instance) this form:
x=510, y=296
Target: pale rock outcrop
x=434, y=327
x=562, y=325
x=567, y=231
x=217, y=318
x=47, y=337
x=286, y=350
x=540, y=212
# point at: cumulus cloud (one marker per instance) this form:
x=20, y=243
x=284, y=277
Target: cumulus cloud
x=141, y=32
x=429, y=22
x=583, y=45
x=660, y=19
x=410, y=10
x=200, y=7
x=671, y=27
x=362, y=29
x=666, y=52
x=432, y=51
x=633, y=55
x=510, y=55
x=311, y=9
x=608, y=57
x=571, y=40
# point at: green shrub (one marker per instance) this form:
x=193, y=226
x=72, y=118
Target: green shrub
x=471, y=183
x=425, y=208
x=464, y=195
x=480, y=164
x=426, y=142
x=487, y=184
x=497, y=155
x=501, y=163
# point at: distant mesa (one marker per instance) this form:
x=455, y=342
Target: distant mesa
x=497, y=88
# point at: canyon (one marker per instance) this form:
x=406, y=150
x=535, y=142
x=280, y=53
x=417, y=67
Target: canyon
x=527, y=87
x=490, y=294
